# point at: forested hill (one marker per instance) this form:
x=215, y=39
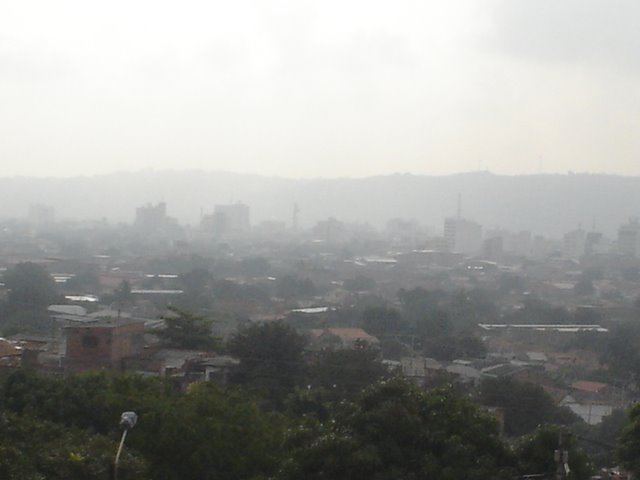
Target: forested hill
x=547, y=204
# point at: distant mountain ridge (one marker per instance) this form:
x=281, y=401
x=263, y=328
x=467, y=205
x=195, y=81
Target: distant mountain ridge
x=545, y=204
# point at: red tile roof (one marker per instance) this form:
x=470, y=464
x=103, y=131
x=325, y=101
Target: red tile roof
x=352, y=334
x=586, y=386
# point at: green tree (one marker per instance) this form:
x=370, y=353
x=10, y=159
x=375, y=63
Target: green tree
x=271, y=358
x=588, y=316
x=360, y=283
x=204, y=433
x=207, y=434
x=451, y=347
x=187, y=330
x=525, y=405
x=122, y=295
x=509, y=283
x=418, y=302
x=236, y=294
x=32, y=449
x=197, y=288
x=254, y=266
x=344, y=373
x=290, y=286
x=395, y=430
x=629, y=445
x=87, y=279
x=535, y=454
x=89, y=401
x=584, y=287
x=600, y=441
x=30, y=290
x=30, y=287
x=535, y=310
x=468, y=308
x=620, y=350
x=382, y=320
x=434, y=324
x=392, y=349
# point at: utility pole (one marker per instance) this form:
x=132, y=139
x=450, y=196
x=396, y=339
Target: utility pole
x=561, y=456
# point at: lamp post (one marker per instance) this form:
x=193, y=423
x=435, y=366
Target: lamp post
x=128, y=420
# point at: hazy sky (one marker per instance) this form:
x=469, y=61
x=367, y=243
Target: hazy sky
x=303, y=88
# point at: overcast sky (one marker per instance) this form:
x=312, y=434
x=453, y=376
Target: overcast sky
x=302, y=88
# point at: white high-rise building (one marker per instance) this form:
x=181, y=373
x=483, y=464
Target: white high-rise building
x=574, y=244
x=462, y=235
x=629, y=238
x=225, y=219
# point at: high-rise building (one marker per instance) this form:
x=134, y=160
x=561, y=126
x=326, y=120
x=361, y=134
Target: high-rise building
x=594, y=243
x=462, y=235
x=493, y=248
x=151, y=217
x=228, y=219
x=574, y=244
x=629, y=238
x=41, y=215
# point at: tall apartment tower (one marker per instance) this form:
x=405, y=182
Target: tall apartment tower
x=462, y=235
x=41, y=215
x=232, y=218
x=151, y=217
x=629, y=238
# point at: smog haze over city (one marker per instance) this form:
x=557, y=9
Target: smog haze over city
x=319, y=240
x=319, y=89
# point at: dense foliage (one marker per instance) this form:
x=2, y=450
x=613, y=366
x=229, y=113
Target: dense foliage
x=271, y=359
x=536, y=454
x=203, y=434
x=187, y=330
x=294, y=412
x=395, y=430
x=525, y=406
x=371, y=425
x=30, y=289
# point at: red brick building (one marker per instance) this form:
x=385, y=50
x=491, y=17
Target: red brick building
x=103, y=345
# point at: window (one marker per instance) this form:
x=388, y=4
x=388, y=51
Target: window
x=90, y=341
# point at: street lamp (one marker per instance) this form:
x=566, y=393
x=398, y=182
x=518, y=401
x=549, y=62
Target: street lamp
x=128, y=420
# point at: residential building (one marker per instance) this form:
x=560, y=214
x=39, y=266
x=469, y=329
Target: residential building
x=103, y=345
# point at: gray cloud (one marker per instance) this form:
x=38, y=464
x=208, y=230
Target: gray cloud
x=603, y=33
